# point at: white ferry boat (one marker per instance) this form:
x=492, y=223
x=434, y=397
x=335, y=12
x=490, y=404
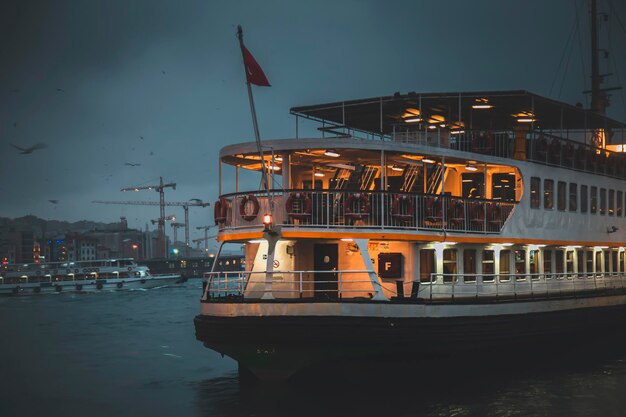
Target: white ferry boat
x=422, y=223
x=95, y=275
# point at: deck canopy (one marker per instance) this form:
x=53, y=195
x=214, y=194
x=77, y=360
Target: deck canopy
x=487, y=110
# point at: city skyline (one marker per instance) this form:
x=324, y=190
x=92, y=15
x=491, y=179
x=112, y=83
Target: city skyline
x=122, y=94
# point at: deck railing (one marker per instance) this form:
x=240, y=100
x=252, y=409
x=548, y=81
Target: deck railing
x=442, y=288
x=366, y=209
x=336, y=284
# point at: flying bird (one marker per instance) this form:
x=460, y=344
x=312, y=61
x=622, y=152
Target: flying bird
x=132, y=165
x=197, y=200
x=61, y=90
x=14, y=124
x=54, y=201
x=25, y=151
x=141, y=137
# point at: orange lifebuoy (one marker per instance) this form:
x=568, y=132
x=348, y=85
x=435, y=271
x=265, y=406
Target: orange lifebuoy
x=220, y=210
x=402, y=208
x=303, y=201
x=362, y=208
x=249, y=216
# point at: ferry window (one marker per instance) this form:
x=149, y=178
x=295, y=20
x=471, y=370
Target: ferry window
x=503, y=187
x=573, y=196
x=589, y=262
x=569, y=262
x=548, y=194
x=583, y=198
x=620, y=204
x=614, y=262
x=561, y=196
x=606, y=262
x=535, y=192
x=602, y=201
x=593, y=200
x=473, y=185
x=547, y=263
x=427, y=264
x=488, y=266
x=505, y=265
x=611, y=202
x=469, y=265
x=449, y=265
x=520, y=264
x=621, y=262
x=598, y=263
x=558, y=263
x=533, y=262
x=580, y=261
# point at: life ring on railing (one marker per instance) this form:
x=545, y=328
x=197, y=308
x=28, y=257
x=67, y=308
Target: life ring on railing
x=402, y=208
x=356, y=206
x=301, y=200
x=120, y=284
x=244, y=203
x=220, y=211
x=99, y=285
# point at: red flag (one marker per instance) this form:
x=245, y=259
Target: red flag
x=254, y=73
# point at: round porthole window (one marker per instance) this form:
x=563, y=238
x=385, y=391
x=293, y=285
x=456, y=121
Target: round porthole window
x=326, y=259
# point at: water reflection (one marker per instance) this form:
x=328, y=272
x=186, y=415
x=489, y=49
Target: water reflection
x=574, y=382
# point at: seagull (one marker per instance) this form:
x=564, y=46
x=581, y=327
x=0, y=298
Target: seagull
x=162, y=72
x=54, y=201
x=141, y=137
x=132, y=165
x=25, y=151
x=197, y=200
x=151, y=153
x=61, y=90
x=14, y=124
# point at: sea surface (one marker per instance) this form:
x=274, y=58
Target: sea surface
x=134, y=353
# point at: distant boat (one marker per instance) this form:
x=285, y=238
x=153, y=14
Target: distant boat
x=95, y=275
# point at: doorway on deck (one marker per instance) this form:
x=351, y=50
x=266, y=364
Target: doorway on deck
x=326, y=257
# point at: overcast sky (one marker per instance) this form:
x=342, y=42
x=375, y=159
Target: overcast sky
x=92, y=78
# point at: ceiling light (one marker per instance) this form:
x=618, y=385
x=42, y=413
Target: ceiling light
x=413, y=120
x=432, y=127
x=457, y=132
x=526, y=120
x=319, y=174
x=331, y=153
x=428, y=161
x=470, y=167
x=396, y=168
x=482, y=106
x=279, y=158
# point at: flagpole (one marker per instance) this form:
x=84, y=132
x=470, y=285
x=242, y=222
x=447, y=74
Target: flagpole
x=253, y=111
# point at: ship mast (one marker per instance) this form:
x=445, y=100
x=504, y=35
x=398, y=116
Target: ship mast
x=598, y=96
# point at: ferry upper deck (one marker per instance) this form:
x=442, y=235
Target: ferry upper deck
x=479, y=167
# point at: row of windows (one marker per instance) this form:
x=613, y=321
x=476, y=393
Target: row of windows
x=567, y=198
x=557, y=261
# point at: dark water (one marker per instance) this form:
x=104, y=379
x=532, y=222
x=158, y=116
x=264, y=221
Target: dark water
x=133, y=353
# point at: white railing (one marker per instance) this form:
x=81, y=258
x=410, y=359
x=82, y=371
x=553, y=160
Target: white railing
x=451, y=287
x=367, y=209
x=289, y=284
x=442, y=287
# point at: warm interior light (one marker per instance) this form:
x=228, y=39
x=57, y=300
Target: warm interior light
x=471, y=167
x=279, y=158
x=428, y=161
x=506, y=244
x=526, y=120
x=319, y=174
x=331, y=153
x=457, y=132
x=413, y=120
x=396, y=168
x=432, y=127
x=267, y=218
x=346, y=239
x=482, y=106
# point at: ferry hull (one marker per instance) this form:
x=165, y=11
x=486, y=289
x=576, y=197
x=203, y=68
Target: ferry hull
x=277, y=347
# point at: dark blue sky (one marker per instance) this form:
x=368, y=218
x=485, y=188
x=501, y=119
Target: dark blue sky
x=172, y=73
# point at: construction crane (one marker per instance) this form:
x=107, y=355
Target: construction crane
x=194, y=202
x=175, y=226
x=159, y=189
x=206, y=236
